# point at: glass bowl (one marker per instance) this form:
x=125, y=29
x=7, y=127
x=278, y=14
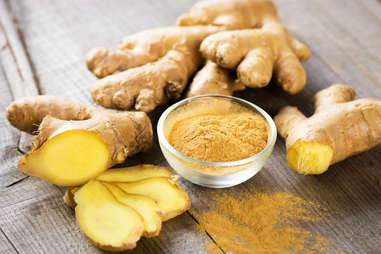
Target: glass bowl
x=206, y=173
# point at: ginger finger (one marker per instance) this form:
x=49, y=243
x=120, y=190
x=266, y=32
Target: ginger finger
x=69, y=153
x=213, y=79
x=233, y=14
x=135, y=50
x=103, y=61
x=27, y=114
x=257, y=67
x=300, y=49
x=289, y=73
x=339, y=128
x=335, y=94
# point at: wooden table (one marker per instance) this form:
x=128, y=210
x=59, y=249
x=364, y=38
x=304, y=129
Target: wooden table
x=42, y=48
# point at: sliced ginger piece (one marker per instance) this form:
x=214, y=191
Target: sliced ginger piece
x=134, y=173
x=309, y=157
x=75, y=142
x=108, y=223
x=144, y=205
x=70, y=158
x=170, y=197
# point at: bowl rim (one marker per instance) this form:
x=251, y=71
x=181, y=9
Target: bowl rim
x=263, y=113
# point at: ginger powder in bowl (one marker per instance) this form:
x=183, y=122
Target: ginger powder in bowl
x=220, y=136
x=215, y=140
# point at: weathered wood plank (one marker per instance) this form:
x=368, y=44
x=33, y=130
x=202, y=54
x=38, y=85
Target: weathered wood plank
x=8, y=139
x=5, y=245
x=16, y=65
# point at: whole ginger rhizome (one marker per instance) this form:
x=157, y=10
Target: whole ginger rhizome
x=217, y=130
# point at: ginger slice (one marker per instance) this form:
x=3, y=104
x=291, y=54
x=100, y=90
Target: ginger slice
x=170, y=197
x=144, y=205
x=108, y=223
x=70, y=158
x=75, y=143
x=134, y=173
x=339, y=128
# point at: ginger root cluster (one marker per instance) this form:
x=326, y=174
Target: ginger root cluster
x=226, y=45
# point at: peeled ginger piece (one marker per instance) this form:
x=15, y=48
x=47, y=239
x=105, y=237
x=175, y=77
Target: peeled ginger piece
x=134, y=173
x=170, y=197
x=146, y=207
x=108, y=223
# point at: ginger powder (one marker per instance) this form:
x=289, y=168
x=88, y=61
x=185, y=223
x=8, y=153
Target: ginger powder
x=219, y=132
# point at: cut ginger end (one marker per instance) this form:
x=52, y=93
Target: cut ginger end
x=310, y=158
x=70, y=158
x=108, y=223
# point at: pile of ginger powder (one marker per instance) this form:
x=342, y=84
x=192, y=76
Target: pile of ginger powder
x=218, y=130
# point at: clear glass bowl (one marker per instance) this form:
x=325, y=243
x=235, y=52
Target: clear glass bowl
x=205, y=173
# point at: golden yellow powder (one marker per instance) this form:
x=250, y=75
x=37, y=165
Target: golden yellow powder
x=263, y=223
x=220, y=137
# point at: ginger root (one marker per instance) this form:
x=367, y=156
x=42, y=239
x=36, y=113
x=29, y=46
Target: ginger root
x=154, y=66
x=154, y=195
x=75, y=143
x=262, y=46
x=339, y=128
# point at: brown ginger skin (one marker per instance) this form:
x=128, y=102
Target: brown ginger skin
x=124, y=134
x=345, y=125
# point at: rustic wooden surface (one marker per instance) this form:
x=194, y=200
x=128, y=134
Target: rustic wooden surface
x=42, y=48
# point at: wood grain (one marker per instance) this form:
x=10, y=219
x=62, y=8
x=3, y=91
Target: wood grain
x=345, y=42
x=15, y=61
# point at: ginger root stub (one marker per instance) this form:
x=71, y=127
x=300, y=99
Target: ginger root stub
x=75, y=143
x=339, y=128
